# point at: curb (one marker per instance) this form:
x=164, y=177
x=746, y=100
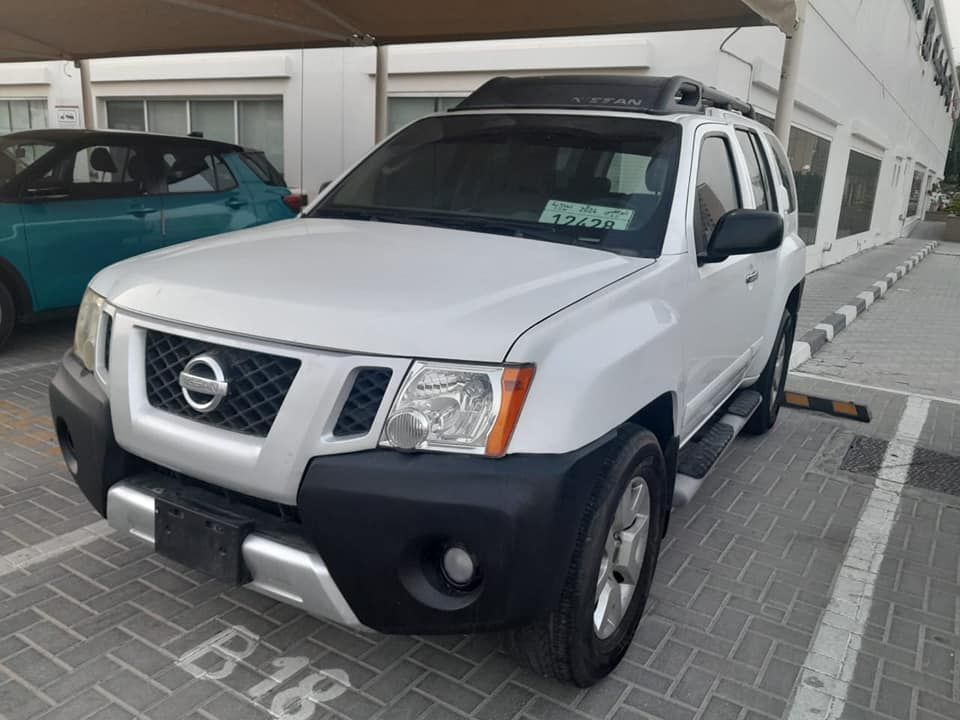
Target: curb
x=838, y=321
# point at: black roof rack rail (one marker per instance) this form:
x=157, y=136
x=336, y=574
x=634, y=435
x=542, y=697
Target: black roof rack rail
x=646, y=94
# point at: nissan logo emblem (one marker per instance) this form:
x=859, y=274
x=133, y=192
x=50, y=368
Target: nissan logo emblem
x=203, y=383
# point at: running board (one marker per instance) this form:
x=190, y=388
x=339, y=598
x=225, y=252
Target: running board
x=698, y=457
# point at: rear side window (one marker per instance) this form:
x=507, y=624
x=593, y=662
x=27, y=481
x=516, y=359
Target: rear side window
x=758, y=181
x=262, y=168
x=716, y=192
x=783, y=166
x=190, y=170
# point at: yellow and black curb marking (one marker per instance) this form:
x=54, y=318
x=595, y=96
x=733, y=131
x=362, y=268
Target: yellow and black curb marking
x=839, y=408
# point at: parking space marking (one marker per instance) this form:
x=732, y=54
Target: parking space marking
x=830, y=663
x=862, y=386
x=53, y=547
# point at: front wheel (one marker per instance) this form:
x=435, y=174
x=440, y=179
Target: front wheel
x=593, y=621
x=774, y=379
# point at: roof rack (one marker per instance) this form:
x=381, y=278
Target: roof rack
x=645, y=94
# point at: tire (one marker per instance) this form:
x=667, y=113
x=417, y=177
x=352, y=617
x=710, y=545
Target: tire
x=566, y=643
x=774, y=377
x=8, y=314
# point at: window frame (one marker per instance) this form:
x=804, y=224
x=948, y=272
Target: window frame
x=725, y=133
x=163, y=186
x=876, y=193
x=759, y=152
x=69, y=152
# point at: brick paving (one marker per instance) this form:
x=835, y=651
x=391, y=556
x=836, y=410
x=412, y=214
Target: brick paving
x=105, y=629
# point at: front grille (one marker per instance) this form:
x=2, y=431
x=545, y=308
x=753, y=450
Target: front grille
x=360, y=409
x=258, y=382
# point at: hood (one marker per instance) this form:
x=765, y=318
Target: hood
x=365, y=287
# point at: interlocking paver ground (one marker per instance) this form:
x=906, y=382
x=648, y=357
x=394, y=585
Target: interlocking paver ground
x=746, y=572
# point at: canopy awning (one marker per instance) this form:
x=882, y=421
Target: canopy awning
x=82, y=29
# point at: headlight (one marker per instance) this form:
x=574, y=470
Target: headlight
x=457, y=408
x=88, y=325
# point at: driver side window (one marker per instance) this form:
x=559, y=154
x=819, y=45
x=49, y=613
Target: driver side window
x=717, y=191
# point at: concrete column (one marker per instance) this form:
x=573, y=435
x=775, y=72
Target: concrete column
x=789, y=76
x=380, y=104
x=86, y=91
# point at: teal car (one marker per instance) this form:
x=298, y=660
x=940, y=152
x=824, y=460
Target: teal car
x=75, y=201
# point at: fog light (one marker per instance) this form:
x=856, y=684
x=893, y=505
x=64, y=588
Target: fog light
x=407, y=429
x=458, y=566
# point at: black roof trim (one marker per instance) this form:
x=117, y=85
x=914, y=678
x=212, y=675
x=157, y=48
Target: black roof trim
x=643, y=94
x=65, y=135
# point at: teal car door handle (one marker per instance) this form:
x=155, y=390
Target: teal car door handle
x=235, y=202
x=142, y=211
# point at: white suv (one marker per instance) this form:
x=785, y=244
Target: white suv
x=464, y=389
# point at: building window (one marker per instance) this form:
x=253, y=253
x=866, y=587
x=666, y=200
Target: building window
x=859, y=193
x=913, y=206
x=16, y=115
x=404, y=110
x=918, y=7
x=928, y=27
x=255, y=123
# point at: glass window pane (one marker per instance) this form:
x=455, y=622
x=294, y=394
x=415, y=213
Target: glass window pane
x=5, y=126
x=913, y=207
x=808, y=156
x=261, y=127
x=224, y=178
x=213, y=118
x=19, y=115
x=125, y=115
x=756, y=173
x=716, y=189
x=189, y=169
x=859, y=193
x=167, y=116
x=403, y=110
x=38, y=113
x=445, y=103
x=783, y=167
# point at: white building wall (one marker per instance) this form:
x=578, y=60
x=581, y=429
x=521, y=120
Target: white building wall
x=863, y=86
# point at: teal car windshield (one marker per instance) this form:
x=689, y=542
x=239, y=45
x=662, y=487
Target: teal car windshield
x=16, y=155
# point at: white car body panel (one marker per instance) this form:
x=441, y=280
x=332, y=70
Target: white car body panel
x=365, y=287
x=608, y=334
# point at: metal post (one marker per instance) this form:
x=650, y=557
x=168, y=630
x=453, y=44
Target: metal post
x=86, y=92
x=789, y=75
x=380, y=107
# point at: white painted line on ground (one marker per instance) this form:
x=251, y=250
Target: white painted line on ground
x=828, y=670
x=28, y=366
x=849, y=312
x=905, y=393
x=800, y=354
x=827, y=328
x=867, y=297
x=53, y=547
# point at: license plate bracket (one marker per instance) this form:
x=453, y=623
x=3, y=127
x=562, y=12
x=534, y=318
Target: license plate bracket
x=202, y=538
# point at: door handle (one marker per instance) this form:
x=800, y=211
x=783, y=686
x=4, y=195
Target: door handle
x=235, y=203
x=752, y=276
x=141, y=211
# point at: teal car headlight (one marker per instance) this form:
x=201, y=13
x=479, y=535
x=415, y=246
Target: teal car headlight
x=88, y=328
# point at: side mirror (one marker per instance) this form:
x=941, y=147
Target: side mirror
x=744, y=232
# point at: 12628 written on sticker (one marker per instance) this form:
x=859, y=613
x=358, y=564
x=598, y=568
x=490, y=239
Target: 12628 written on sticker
x=599, y=217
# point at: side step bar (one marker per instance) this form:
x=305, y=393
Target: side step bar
x=698, y=457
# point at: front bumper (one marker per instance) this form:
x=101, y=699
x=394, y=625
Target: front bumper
x=365, y=549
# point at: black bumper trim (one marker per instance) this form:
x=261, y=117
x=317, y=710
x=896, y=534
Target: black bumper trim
x=380, y=520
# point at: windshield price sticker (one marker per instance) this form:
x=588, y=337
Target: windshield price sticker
x=558, y=212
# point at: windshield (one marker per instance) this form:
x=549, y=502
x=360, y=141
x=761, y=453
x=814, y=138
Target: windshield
x=17, y=154
x=589, y=180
